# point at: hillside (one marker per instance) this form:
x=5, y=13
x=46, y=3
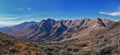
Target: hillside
x=12, y=46
x=104, y=42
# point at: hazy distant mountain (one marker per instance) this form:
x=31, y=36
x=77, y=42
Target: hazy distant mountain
x=57, y=30
x=17, y=27
x=25, y=24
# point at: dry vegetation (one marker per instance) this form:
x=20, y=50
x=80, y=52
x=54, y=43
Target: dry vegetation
x=96, y=45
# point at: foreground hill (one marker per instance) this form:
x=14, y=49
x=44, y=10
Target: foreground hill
x=12, y=46
x=92, y=45
x=53, y=30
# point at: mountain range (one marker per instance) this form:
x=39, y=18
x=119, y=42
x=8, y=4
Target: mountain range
x=60, y=30
x=67, y=37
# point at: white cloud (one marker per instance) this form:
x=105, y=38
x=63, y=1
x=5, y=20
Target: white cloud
x=25, y=8
x=9, y=21
x=116, y=13
x=111, y=13
x=16, y=20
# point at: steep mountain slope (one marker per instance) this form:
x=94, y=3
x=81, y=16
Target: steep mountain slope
x=60, y=30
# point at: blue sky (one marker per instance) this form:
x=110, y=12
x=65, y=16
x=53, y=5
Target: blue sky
x=17, y=11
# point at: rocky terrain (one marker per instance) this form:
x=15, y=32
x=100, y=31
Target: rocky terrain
x=64, y=37
x=53, y=30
